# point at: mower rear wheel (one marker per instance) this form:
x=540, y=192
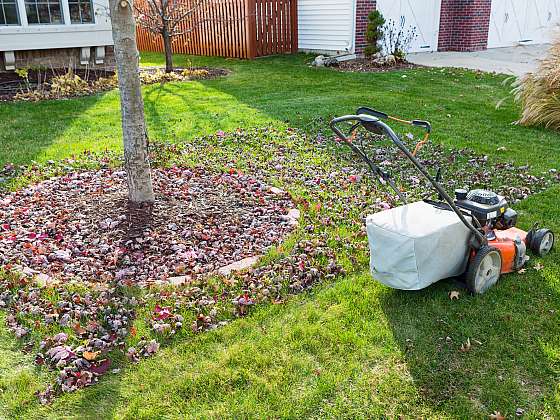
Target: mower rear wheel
x=542, y=242
x=484, y=270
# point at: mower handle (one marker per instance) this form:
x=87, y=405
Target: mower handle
x=373, y=124
x=367, y=121
x=383, y=116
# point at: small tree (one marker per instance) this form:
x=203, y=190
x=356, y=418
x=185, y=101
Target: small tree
x=162, y=17
x=135, y=137
x=374, y=32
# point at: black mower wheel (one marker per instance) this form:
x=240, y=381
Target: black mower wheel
x=484, y=270
x=542, y=242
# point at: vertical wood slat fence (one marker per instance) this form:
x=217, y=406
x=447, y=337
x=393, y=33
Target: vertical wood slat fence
x=233, y=28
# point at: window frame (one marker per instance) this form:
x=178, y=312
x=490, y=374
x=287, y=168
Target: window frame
x=79, y=3
x=36, y=4
x=3, y=13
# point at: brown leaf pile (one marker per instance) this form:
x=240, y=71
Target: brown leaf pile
x=76, y=227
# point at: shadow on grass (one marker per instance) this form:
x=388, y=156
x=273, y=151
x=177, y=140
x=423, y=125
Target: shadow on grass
x=514, y=330
x=32, y=130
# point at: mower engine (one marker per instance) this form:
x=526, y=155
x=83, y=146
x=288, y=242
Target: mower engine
x=489, y=208
x=498, y=221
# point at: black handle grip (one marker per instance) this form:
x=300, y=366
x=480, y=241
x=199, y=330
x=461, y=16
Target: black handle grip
x=424, y=124
x=369, y=111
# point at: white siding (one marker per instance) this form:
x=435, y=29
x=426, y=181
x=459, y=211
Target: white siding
x=326, y=25
x=514, y=22
x=67, y=35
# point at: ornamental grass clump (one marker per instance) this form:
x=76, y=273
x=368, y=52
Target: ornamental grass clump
x=539, y=92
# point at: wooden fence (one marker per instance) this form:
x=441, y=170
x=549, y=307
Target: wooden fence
x=233, y=28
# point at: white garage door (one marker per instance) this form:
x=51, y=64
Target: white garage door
x=326, y=25
x=514, y=22
x=421, y=14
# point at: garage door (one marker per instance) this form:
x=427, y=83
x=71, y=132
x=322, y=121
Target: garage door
x=514, y=22
x=421, y=14
x=326, y=25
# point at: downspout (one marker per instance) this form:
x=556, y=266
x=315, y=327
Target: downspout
x=352, y=43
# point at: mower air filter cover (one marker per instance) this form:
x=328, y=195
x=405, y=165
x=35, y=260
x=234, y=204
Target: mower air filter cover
x=415, y=245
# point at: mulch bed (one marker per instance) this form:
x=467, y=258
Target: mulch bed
x=11, y=83
x=77, y=227
x=368, y=66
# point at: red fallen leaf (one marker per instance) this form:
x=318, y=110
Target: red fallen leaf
x=352, y=178
x=58, y=237
x=133, y=331
x=101, y=367
x=162, y=313
x=92, y=326
x=231, y=171
x=5, y=226
x=32, y=235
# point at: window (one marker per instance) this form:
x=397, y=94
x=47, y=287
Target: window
x=43, y=12
x=8, y=12
x=81, y=11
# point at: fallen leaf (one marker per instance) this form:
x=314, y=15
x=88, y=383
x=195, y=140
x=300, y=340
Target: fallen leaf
x=454, y=295
x=90, y=355
x=496, y=415
x=101, y=367
x=79, y=329
x=522, y=271
x=466, y=346
x=538, y=266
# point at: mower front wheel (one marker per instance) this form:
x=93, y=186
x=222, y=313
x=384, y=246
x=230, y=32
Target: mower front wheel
x=484, y=269
x=542, y=242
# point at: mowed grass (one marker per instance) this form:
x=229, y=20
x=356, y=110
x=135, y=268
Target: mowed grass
x=349, y=349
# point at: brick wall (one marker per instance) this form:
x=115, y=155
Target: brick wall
x=464, y=25
x=59, y=58
x=363, y=7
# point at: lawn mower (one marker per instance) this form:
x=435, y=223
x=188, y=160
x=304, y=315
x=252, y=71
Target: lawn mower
x=473, y=235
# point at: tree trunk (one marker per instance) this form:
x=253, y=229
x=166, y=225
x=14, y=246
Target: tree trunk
x=168, y=50
x=135, y=136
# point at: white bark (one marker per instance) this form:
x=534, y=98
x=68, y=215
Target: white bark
x=135, y=137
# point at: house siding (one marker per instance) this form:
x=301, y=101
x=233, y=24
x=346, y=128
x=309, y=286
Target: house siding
x=326, y=25
x=58, y=45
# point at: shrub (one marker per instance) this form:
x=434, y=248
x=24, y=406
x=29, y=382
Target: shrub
x=397, y=38
x=69, y=84
x=374, y=32
x=539, y=92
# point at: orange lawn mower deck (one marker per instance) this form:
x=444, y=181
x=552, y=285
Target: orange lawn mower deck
x=409, y=243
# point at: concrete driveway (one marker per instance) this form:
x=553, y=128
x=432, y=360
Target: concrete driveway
x=510, y=60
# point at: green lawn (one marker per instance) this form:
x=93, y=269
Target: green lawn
x=349, y=348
